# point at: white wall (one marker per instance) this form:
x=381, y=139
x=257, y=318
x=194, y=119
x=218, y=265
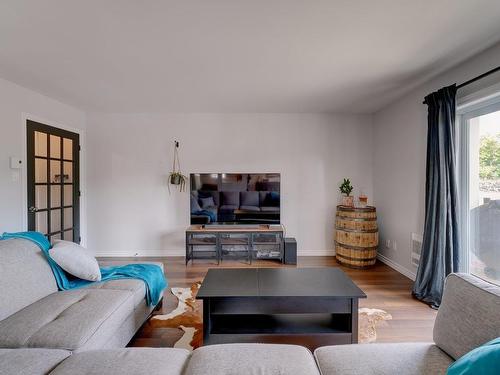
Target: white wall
x=129, y=156
x=400, y=132
x=17, y=104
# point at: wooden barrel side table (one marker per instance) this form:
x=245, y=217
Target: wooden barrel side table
x=356, y=236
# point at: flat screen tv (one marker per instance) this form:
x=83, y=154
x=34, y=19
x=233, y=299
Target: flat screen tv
x=235, y=198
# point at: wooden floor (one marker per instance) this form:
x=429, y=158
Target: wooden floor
x=386, y=289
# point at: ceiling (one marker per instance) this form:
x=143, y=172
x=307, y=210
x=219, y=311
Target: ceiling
x=237, y=56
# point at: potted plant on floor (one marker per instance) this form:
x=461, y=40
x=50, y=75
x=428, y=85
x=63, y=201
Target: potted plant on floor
x=346, y=189
x=176, y=177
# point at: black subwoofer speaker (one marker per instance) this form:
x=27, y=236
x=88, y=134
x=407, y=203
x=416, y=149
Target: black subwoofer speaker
x=290, y=250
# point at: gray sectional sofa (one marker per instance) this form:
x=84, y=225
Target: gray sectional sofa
x=43, y=331
x=34, y=314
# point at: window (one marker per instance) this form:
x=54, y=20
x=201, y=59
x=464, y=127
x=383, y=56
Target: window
x=480, y=189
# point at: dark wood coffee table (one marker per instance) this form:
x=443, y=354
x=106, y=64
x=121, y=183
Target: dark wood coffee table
x=306, y=306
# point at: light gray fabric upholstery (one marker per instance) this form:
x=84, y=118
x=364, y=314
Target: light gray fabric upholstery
x=25, y=276
x=127, y=329
x=137, y=361
x=136, y=287
x=382, y=359
x=75, y=320
x=469, y=314
x=251, y=359
x=30, y=361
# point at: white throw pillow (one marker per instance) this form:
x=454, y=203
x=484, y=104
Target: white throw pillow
x=75, y=260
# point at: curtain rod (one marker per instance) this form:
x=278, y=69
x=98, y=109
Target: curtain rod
x=478, y=77
x=481, y=76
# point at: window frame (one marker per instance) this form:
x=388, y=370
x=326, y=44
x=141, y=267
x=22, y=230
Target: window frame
x=471, y=108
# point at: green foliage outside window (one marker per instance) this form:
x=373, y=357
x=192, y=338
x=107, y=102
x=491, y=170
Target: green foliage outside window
x=489, y=157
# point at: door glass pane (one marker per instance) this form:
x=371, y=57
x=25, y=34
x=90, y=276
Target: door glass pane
x=68, y=218
x=55, y=171
x=68, y=195
x=40, y=144
x=68, y=235
x=55, y=221
x=40, y=170
x=67, y=149
x=41, y=222
x=55, y=196
x=55, y=146
x=41, y=196
x=68, y=171
x=484, y=196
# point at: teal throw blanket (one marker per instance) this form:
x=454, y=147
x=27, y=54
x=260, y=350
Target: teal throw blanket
x=151, y=274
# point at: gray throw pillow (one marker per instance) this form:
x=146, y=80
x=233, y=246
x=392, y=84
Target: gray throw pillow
x=249, y=198
x=207, y=202
x=195, y=206
x=75, y=260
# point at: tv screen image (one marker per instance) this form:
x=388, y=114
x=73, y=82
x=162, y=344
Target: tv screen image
x=235, y=198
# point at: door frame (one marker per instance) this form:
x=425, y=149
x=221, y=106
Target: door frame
x=24, y=178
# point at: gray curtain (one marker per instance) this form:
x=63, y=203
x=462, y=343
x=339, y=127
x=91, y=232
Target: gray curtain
x=440, y=247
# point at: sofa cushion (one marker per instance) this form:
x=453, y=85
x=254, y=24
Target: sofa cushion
x=137, y=361
x=270, y=209
x=249, y=198
x=469, y=315
x=231, y=198
x=30, y=361
x=401, y=358
x=250, y=208
x=73, y=320
x=228, y=208
x=249, y=359
x=136, y=287
x=25, y=276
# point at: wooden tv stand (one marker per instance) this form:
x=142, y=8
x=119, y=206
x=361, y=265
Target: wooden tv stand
x=233, y=241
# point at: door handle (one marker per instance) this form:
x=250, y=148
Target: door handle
x=32, y=210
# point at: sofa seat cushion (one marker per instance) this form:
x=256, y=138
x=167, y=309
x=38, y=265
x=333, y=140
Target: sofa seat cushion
x=134, y=286
x=73, y=320
x=401, y=359
x=136, y=361
x=270, y=209
x=250, y=208
x=250, y=359
x=30, y=361
x=228, y=207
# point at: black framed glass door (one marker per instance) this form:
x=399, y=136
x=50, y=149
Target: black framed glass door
x=53, y=165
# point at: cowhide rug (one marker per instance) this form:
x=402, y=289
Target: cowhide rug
x=187, y=316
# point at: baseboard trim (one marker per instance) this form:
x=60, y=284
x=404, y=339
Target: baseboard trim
x=396, y=266
x=182, y=252
x=140, y=254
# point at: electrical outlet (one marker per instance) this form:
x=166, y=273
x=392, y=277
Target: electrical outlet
x=394, y=245
x=388, y=244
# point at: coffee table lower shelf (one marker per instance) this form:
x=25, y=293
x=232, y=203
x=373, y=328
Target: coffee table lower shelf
x=280, y=328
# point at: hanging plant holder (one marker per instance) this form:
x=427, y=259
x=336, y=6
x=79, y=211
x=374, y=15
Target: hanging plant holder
x=176, y=177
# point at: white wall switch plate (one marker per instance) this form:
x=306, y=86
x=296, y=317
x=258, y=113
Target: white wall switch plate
x=15, y=162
